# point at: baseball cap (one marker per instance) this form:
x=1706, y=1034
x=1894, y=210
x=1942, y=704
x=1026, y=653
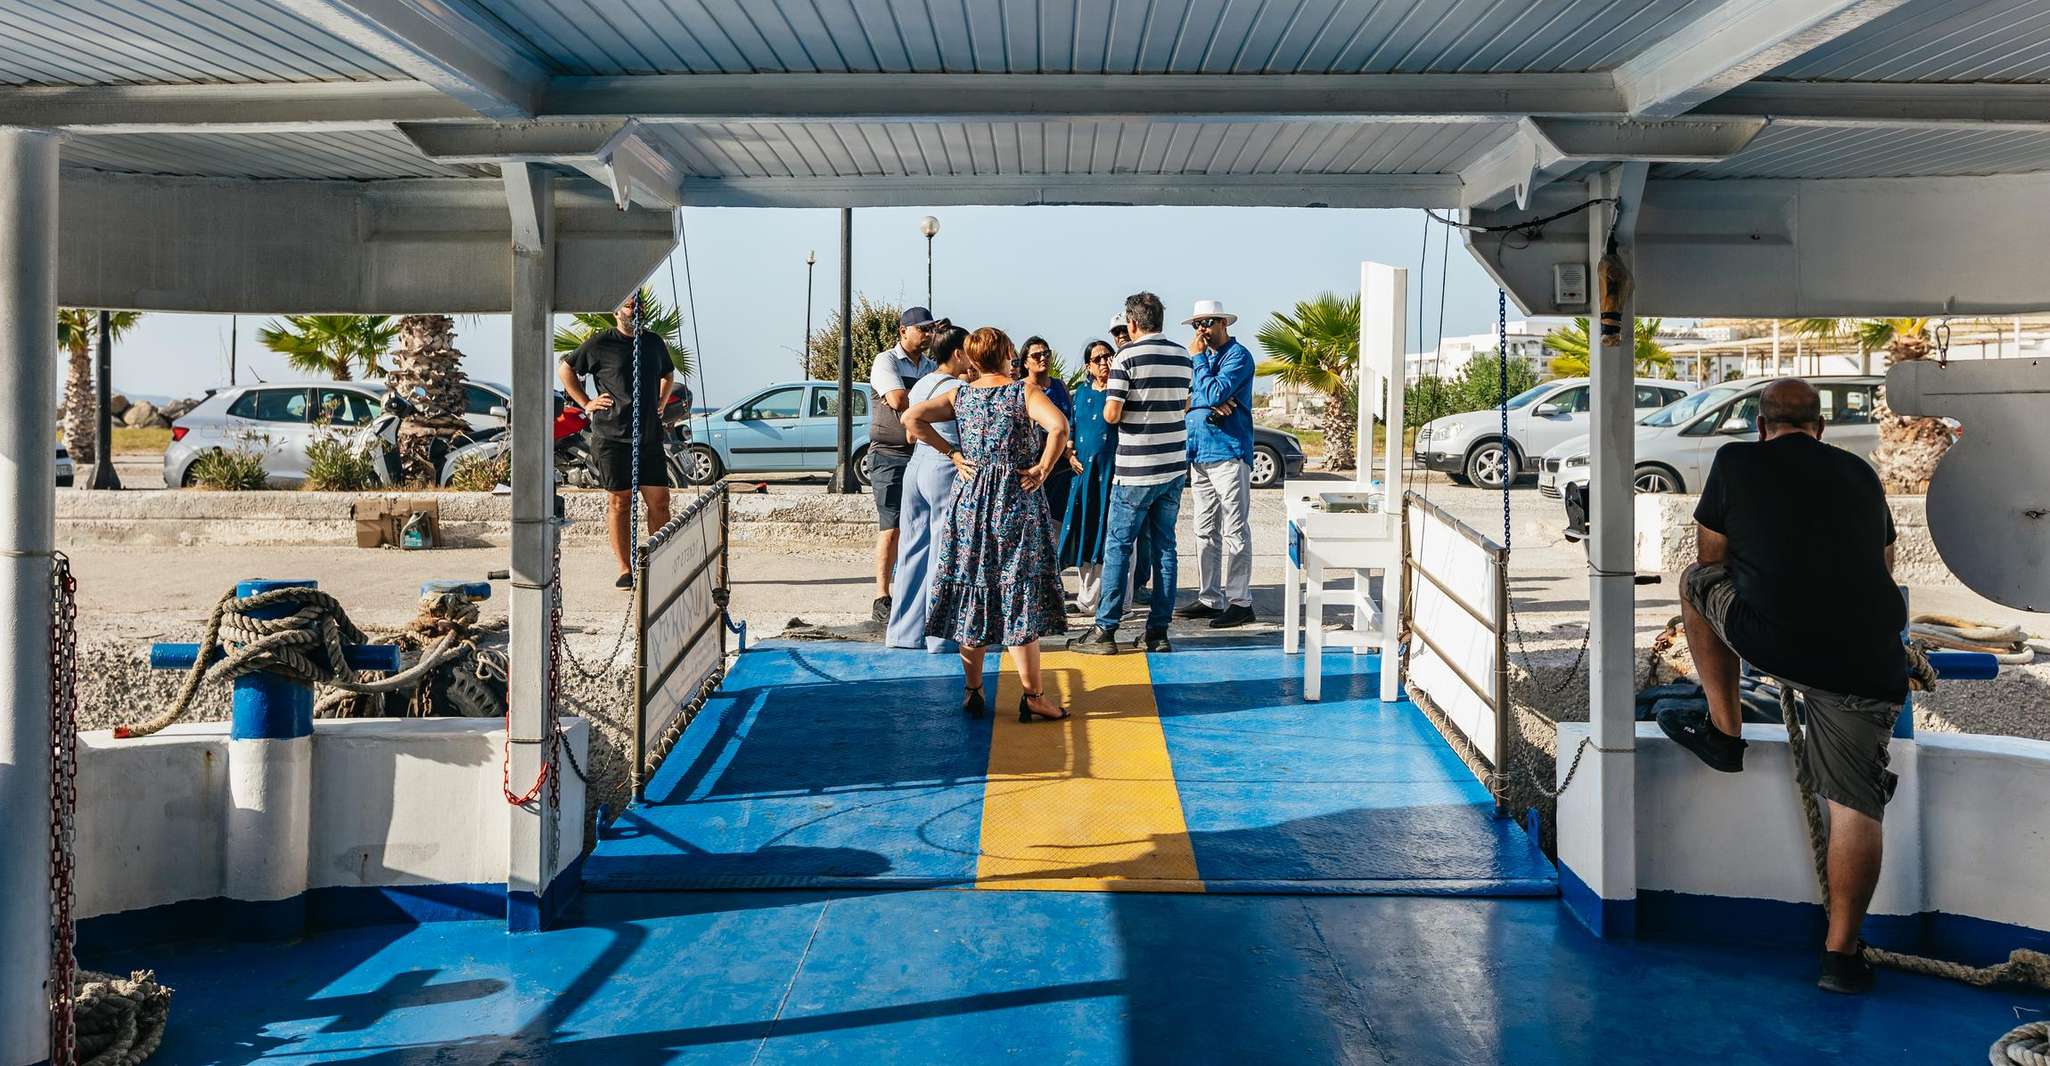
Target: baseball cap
x=1117, y=322
x=915, y=316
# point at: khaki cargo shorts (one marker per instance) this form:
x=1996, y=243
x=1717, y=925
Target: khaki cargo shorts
x=1846, y=755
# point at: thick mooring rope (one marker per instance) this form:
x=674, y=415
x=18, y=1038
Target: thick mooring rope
x=120, y=1019
x=2028, y=1045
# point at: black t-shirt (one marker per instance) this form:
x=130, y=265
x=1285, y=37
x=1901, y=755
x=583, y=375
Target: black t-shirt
x=607, y=358
x=1808, y=526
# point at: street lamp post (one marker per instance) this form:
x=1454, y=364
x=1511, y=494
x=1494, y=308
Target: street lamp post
x=811, y=260
x=102, y=475
x=929, y=226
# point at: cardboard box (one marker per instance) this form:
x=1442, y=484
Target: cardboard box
x=381, y=522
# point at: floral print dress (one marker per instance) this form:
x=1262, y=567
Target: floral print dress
x=994, y=580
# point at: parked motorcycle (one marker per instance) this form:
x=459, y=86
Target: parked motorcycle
x=573, y=443
x=379, y=442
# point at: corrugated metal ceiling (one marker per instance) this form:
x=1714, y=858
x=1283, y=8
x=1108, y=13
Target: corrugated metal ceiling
x=359, y=155
x=802, y=150
x=611, y=37
x=143, y=42
x=1876, y=152
x=1938, y=40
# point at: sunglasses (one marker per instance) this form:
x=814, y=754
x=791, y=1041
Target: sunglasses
x=1040, y=354
x=1105, y=358
x=1206, y=323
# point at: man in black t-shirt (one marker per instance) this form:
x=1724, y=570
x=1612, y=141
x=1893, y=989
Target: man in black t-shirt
x=1796, y=578
x=606, y=357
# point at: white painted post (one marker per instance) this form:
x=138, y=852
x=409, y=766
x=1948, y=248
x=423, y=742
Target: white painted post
x=530, y=195
x=1597, y=816
x=28, y=345
x=1384, y=296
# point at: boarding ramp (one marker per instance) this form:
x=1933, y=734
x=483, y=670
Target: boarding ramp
x=1457, y=617
x=680, y=628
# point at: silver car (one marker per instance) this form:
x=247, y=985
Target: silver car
x=279, y=419
x=1469, y=445
x=1677, y=443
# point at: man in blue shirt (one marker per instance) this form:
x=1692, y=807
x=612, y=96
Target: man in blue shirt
x=1220, y=423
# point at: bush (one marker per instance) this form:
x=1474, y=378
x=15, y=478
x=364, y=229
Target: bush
x=333, y=466
x=232, y=470
x=875, y=330
x=477, y=473
x=1477, y=388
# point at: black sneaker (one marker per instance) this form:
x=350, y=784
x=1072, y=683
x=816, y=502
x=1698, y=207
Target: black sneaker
x=626, y=581
x=880, y=610
x=1098, y=641
x=1197, y=609
x=1237, y=614
x=1693, y=730
x=1156, y=642
x=1846, y=972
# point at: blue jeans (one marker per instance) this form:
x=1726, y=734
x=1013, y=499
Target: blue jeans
x=1137, y=509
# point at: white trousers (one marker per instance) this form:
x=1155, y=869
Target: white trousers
x=1089, y=586
x=1224, y=511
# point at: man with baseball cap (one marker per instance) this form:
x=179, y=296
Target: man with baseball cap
x=1120, y=333
x=1220, y=426
x=889, y=449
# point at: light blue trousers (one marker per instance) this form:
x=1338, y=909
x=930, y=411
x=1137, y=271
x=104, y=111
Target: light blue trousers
x=928, y=486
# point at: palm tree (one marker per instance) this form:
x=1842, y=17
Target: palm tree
x=332, y=345
x=1909, y=447
x=1317, y=346
x=657, y=318
x=77, y=329
x=1571, y=342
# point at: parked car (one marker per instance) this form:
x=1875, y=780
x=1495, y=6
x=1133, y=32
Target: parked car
x=64, y=467
x=1469, y=445
x=784, y=428
x=279, y=419
x=1277, y=456
x=1677, y=443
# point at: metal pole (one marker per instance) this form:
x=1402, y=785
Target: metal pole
x=928, y=271
x=843, y=468
x=104, y=476
x=28, y=349
x=234, y=340
x=811, y=262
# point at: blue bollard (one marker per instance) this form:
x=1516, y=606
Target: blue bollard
x=1964, y=665
x=266, y=706
x=473, y=590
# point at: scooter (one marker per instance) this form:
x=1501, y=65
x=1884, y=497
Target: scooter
x=379, y=442
x=573, y=443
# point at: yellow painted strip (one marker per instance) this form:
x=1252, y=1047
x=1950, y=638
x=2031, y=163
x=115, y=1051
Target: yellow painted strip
x=1087, y=804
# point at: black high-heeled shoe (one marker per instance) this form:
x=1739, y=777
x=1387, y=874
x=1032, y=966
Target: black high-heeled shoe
x=972, y=705
x=1025, y=710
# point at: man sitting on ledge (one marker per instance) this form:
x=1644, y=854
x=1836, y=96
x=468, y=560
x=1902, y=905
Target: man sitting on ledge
x=1796, y=577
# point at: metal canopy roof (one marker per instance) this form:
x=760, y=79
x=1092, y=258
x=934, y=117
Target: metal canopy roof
x=1471, y=103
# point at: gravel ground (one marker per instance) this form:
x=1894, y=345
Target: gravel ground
x=132, y=596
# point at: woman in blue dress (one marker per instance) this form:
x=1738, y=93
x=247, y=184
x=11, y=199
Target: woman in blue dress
x=928, y=485
x=1092, y=462
x=1035, y=364
x=994, y=580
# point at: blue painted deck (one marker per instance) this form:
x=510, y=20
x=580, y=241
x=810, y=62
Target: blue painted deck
x=849, y=766
x=975, y=977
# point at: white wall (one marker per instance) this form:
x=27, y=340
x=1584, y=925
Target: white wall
x=1957, y=839
x=395, y=802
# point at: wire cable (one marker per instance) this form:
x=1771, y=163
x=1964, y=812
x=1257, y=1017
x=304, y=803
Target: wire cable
x=1525, y=227
x=690, y=284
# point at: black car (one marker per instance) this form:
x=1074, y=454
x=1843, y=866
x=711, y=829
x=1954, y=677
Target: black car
x=1277, y=456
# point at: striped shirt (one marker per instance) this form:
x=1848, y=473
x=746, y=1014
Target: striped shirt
x=1151, y=376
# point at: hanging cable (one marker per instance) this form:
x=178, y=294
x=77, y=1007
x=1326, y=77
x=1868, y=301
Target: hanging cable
x=1529, y=227
x=697, y=342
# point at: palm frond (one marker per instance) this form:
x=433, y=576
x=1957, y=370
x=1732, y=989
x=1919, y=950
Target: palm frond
x=656, y=317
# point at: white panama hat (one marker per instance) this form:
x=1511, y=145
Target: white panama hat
x=1210, y=309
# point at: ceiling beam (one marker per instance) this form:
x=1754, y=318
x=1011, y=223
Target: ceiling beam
x=1436, y=98
x=1892, y=104
x=1730, y=44
x=613, y=152
x=1542, y=150
x=1189, y=190
x=475, y=62
x=278, y=107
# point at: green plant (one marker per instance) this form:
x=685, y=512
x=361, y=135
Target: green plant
x=656, y=317
x=1653, y=361
x=332, y=345
x=332, y=465
x=235, y=469
x=77, y=329
x=1318, y=346
x=875, y=330
x=477, y=473
x=1477, y=388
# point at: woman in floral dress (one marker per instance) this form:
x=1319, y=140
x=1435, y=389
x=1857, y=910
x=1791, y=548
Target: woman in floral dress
x=994, y=581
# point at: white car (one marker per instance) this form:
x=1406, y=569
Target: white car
x=1677, y=443
x=278, y=419
x=1469, y=446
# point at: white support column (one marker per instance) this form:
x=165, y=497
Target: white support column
x=1597, y=816
x=1384, y=295
x=28, y=347
x=535, y=830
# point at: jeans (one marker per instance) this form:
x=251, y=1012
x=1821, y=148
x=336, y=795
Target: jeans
x=1151, y=509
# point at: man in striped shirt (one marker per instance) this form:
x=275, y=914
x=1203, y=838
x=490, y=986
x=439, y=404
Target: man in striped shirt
x=1146, y=398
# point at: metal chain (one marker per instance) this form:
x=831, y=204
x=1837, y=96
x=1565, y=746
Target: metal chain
x=63, y=805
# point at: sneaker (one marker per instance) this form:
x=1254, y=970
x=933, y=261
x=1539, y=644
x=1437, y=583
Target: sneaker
x=1692, y=729
x=626, y=581
x=1197, y=609
x=1237, y=614
x=1098, y=641
x=880, y=610
x=1846, y=972
x=1156, y=642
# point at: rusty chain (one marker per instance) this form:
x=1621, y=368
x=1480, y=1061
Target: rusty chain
x=63, y=805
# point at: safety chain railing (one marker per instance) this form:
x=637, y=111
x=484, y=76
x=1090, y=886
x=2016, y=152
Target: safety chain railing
x=63, y=805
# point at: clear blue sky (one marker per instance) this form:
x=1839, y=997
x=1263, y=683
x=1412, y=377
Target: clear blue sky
x=1061, y=272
